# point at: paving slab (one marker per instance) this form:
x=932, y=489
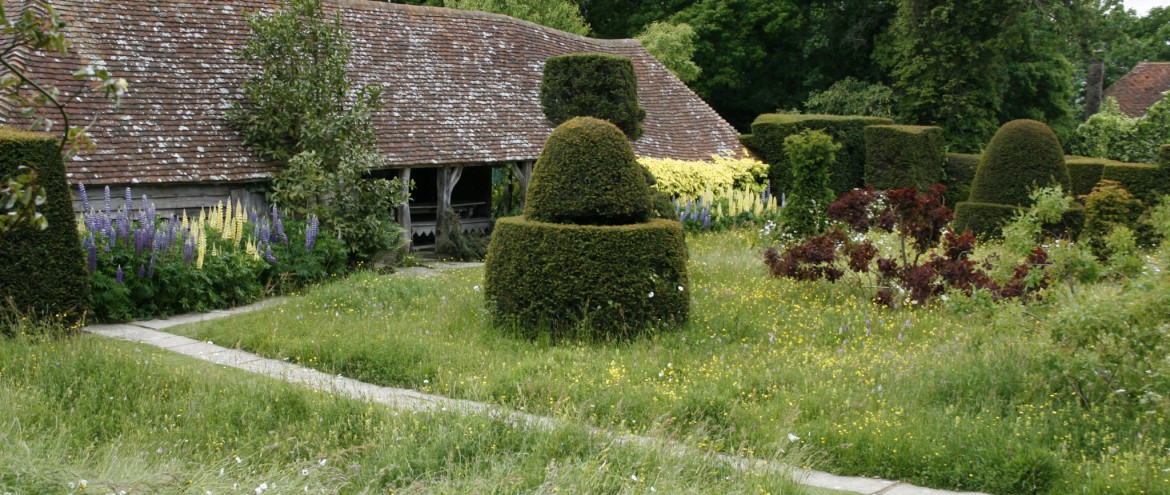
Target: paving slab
x=856, y=484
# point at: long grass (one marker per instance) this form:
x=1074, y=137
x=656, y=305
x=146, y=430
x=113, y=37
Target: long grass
x=92, y=415
x=955, y=395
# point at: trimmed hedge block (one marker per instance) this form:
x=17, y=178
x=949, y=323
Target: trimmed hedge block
x=960, y=171
x=770, y=130
x=986, y=220
x=1164, y=156
x=594, y=85
x=547, y=276
x=1084, y=173
x=587, y=173
x=43, y=271
x=898, y=156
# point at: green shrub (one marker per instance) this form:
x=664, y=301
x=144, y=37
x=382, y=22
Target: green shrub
x=1023, y=155
x=1109, y=133
x=588, y=174
x=898, y=156
x=770, y=130
x=1143, y=180
x=983, y=219
x=594, y=85
x=1108, y=206
x=618, y=278
x=850, y=96
x=810, y=155
x=43, y=271
x=1164, y=156
x=1084, y=173
x=690, y=179
x=960, y=173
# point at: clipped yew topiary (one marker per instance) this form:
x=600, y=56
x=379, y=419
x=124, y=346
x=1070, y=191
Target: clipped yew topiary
x=43, y=271
x=585, y=256
x=898, y=156
x=1164, y=156
x=770, y=130
x=960, y=173
x=594, y=85
x=588, y=174
x=1023, y=155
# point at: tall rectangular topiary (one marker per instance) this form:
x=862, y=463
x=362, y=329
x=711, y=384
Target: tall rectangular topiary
x=770, y=130
x=898, y=156
x=960, y=173
x=43, y=271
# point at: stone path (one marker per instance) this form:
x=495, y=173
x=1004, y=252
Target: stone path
x=150, y=333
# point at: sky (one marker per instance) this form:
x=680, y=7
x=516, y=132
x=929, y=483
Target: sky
x=1143, y=6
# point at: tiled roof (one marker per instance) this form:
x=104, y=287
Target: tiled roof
x=1141, y=88
x=458, y=87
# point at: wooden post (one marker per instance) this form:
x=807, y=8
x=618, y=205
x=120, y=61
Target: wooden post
x=447, y=178
x=404, y=213
x=523, y=171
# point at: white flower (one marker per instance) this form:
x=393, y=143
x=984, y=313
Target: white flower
x=304, y=472
x=238, y=460
x=260, y=489
x=793, y=438
x=82, y=484
x=321, y=462
x=680, y=288
x=475, y=288
x=651, y=294
x=634, y=477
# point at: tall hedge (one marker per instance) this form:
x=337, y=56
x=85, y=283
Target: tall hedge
x=594, y=85
x=898, y=156
x=1164, y=156
x=1143, y=180
x=770, y=130
x=43, y=271
x=960, y=173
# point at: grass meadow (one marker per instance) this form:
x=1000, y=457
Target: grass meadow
x=963, y=394
x=90, y=415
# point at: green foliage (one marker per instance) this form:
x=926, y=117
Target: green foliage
x=960, y=171
x=674, y=46
x=459, y=244
x=1084, y=173
x=1144, y=180
x=811, y=155
x=587, y=174
x=42, y=270
x=898, y=156
x=1164, y=156
x=690, y=179
x=617, y=279
x=983, y=219
x=1023, y=155
x=302, y=111
x=969, y=65
x=557, y=14
x=851, y=96
x=20, y=197
x=1108, y=134
x=770, y=130
x=1109, y=206
x=592, y=85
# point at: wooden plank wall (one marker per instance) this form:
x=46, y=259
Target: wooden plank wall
x=174, y=199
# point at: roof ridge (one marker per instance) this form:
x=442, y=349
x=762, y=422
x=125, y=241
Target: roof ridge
x=491, y=16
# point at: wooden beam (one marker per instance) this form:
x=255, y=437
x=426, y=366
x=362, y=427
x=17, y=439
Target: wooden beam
x=447, y=178
x=523, y=171
x=404, y=212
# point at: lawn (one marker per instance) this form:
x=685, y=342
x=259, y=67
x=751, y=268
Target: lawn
x=962, y=394
x=88, y=414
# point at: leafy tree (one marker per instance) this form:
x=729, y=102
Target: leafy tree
x=302, y=111
x=20, y=197
x=850, y=96
x=556, y=14
x=674, y=46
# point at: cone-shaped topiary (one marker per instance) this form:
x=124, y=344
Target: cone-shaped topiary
x=1023, y=155
x=585, y=251
x=595, y=85
x=587, y=174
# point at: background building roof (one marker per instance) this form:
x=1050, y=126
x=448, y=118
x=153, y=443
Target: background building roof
x=1141, y=88
x=458, y=88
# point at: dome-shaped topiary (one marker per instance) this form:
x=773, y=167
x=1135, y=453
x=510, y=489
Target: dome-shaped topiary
x=587, y=174
x=1023, y=155
x=595, y=85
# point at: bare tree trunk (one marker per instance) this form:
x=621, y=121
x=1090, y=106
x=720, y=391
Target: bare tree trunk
x=523, y=171
x=448, y=177
x=404, y=214
x=1095, y=82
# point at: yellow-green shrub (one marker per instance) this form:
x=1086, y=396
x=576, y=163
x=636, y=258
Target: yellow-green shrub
x=690, y=179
